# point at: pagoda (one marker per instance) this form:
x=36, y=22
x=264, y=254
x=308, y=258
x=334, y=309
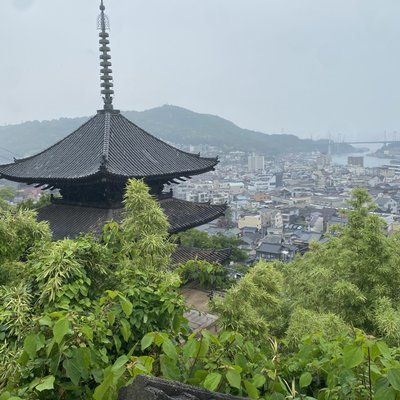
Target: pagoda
x=90, y=168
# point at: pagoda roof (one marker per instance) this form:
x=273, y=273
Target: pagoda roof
x=67, y=220
x=107, y=146
x=213, y=256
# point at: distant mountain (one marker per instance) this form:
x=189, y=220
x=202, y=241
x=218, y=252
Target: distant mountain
x=170, y=123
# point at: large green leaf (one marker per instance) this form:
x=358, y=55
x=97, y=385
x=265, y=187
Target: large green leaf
x=169, y=368
x=125, y=329
x=88, y=332
x=60, y=329
x=72, y=370
x=259, y=380
x=106, y=390
x=203, y=346
x=352, y=356
x=251, y=390
x=147, y=340
x=46, y=383
x=103, y=389
x=169, y=349
x=119, y=365
x=127, y=306
x=30, y=345
x=189, y=349
x=393, y=377
x=384, y=349
x=234, y=378
x=212, y=381
x=277, y=396
x=83, y=357
x=305, y=379
x=46, y=321
x=143, y=365
x=385, y=394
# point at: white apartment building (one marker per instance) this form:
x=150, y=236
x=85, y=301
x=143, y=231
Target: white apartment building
x=255, y=163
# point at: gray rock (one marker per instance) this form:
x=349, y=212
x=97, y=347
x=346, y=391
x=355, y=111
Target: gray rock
x=150, y=388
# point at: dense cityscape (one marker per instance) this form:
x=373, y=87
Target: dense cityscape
x=278, y=207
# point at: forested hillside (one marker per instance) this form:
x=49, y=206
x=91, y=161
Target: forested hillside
x=170, y=123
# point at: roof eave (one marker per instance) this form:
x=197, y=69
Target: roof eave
x=197, y=223
x=104, y=173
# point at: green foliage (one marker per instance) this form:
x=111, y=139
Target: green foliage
x=70, y=322
x=201, y=240
x=19, y=232
x=209, y=276
x=81, y=318
x=353, y=273
x=310, y=323
x=6, y=194
x=44, y=200
x=341, y=368
x=352, y=280
x=145, y=227
x=255, y=306
x=195, y=238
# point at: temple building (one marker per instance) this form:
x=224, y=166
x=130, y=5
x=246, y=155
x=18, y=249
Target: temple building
x=91, y=166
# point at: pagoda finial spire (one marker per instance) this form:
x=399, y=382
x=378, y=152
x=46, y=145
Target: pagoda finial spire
x=106, y=78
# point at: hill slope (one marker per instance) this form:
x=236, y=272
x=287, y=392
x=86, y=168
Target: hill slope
x=170, y=123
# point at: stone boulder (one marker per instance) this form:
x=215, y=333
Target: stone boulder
x=150, y=388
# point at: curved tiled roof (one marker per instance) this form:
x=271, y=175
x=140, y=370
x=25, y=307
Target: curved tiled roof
x=107, y=145
x=214, y=256
x=183, y=215
x=71, y=220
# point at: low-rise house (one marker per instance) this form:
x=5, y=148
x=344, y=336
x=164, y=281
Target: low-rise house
x=275, y=251
x=303, y=239
x=251, y=221
x=289, y=214
x=386, y=204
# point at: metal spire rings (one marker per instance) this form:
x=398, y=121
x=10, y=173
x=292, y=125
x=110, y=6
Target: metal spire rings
x=106, y=71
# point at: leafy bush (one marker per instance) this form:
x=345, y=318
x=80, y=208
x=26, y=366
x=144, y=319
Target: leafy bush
x=354, y=367
x=351, y=273
x=201, y=239
x=70, y=323
x=80, y=318
x=210, y=276
x=255, y=306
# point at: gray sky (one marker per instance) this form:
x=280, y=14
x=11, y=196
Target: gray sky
x=306, y=67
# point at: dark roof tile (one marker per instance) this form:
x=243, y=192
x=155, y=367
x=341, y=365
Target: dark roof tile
x=71, y=220
x=213, y=256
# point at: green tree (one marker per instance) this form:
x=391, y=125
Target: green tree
x=7, y=193
x=353, y=272
x=195, y=238
x=70, y=322
x=20, y=233
x=201, y=239
x=29, y=204
x=210, y=276
x=256, y=305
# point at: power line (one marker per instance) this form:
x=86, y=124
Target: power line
x=9, y=151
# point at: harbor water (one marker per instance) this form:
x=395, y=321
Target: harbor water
x=369, y=161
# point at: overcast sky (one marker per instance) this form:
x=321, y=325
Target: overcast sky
x=307, y=67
